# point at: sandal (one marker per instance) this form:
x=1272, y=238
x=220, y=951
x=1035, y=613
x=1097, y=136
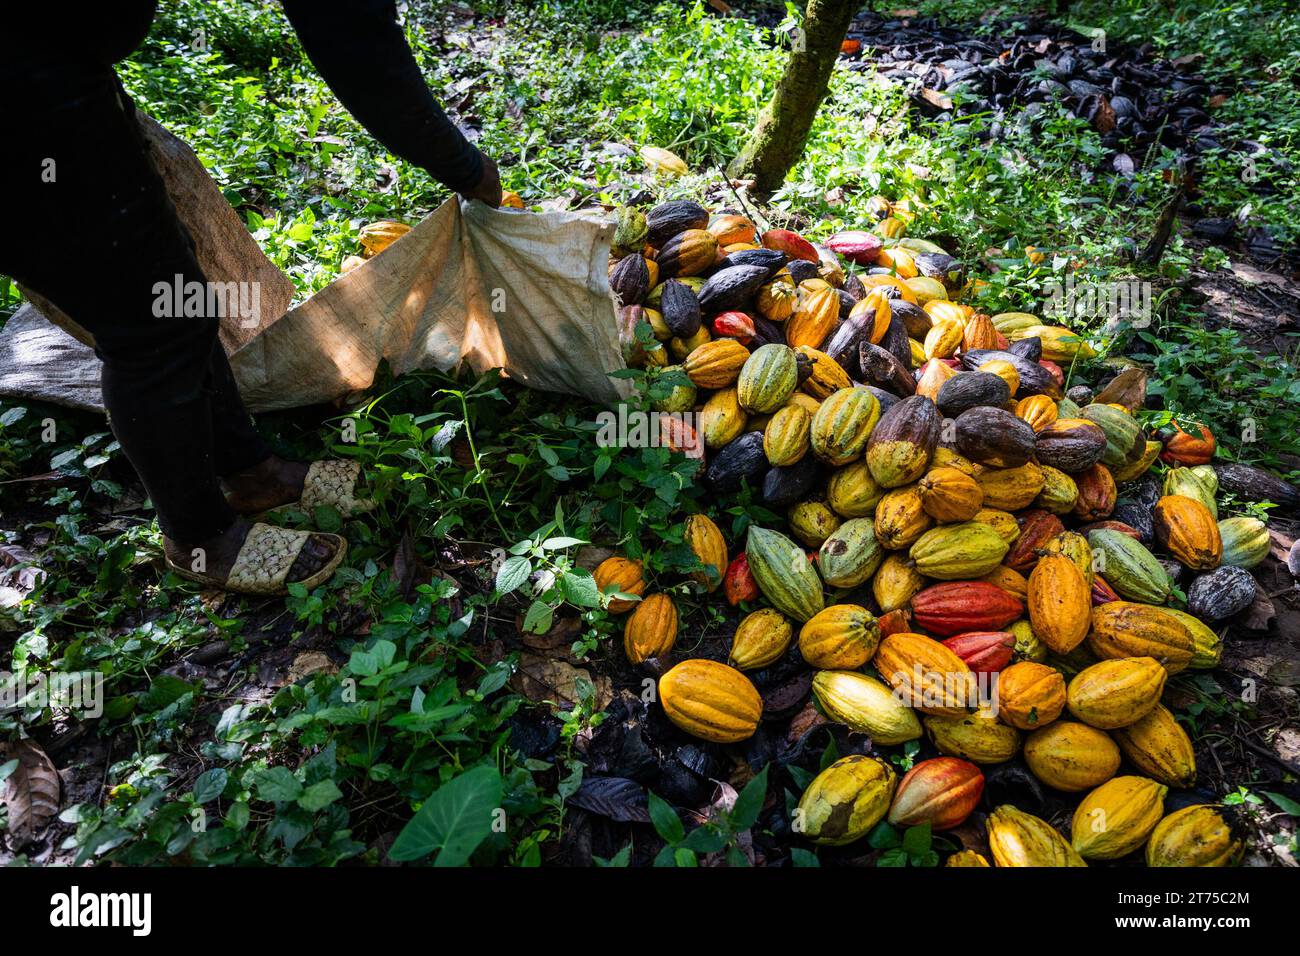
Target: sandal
x=264, y=562
x=332, y=482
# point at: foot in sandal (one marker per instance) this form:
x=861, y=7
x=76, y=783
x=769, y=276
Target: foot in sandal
x=256, y=558
x=276, y=482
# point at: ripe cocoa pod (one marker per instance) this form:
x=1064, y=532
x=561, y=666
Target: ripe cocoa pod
x=942, y=791
x=840, y=637
x=623, y=576
x=866, y=705
x=1060, y=600
x=651, y=630
x=1070, y=756
x=1159, y=747
x=1116, y=693
x=1116, y=818
x=1200, y=835
x=846, y=800
x=760, y=639
x=1030, y=695
x=1017, y=838
x=978, y=737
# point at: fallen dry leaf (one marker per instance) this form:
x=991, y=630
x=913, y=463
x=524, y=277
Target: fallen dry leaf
x=1128, y=388
x=559, y=638
x=32, y=791
x=544, y=680
x=308, y=663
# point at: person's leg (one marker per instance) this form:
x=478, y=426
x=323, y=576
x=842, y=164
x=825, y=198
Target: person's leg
x=99, y=237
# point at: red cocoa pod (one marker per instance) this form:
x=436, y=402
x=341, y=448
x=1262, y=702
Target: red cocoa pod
x=738, y=583
x=942, y=791
x=736, y=325
x=959, y=607
x=856, y=245
x=1102, y=593
x=985, y=652
x=1037, y=527
x=791, y=243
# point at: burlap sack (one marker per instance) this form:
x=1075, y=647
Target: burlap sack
x=490, y=288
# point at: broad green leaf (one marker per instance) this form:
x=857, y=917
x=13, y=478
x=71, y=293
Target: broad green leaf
x=455, y=819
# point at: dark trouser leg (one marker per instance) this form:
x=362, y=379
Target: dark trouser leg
x=99, y=234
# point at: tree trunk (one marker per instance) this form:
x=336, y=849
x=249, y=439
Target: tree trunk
x=777, y=141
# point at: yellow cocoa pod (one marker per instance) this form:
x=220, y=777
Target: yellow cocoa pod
x=1070, y=756
x=866, y=705
x=1017, y=838
x=846, y=800
x=760, y=639
x=1159, y=747
x=1200, y=835
x=1116, y=818
x=840, y=637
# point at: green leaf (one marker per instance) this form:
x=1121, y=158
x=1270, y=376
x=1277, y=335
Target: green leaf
x=513, y=573
x=916, y=840
x=895, y=857
x=277, y=785
x=705, y=839
x=685, y=857
x=579, y=589
x=801, y=857
x=1284, y=803
x=7, y=768
x=749, y=803
x=209, y=784
x=319, y=795
x=455, y=819
x=538, y=618
x=884, y=837
x=664, y=817
x=622, y=858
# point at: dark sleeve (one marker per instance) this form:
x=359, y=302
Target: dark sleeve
x=359, y=48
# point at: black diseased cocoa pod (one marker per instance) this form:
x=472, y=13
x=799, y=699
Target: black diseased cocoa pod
x=842, y=344
x=802, y=270
x=1030, y=349
x=803, y=367
x=732, y=288
x=630, y=280
x=994, y=437
x=896, y=342
x=739, y=460
x=669, y=218
x=769, y=259
x=854, y=287
x=880, y=367
x=886, y=399
x=903, y=441
x=1072, y=449
x=1256, y=484
x=915, y=319
x=1081, y=395
x=680, y=309
x=1221, y=593
x=847, y=302
x=941, y=266
x=969, y=389
x=766, y=332
x=1137, y=517
x=784, y=485
x=1034, y=379
x=1174, y=569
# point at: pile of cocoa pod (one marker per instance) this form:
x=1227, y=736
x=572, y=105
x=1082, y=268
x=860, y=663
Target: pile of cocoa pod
x=979, y=553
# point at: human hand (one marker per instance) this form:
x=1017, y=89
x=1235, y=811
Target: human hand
x=488, y=189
